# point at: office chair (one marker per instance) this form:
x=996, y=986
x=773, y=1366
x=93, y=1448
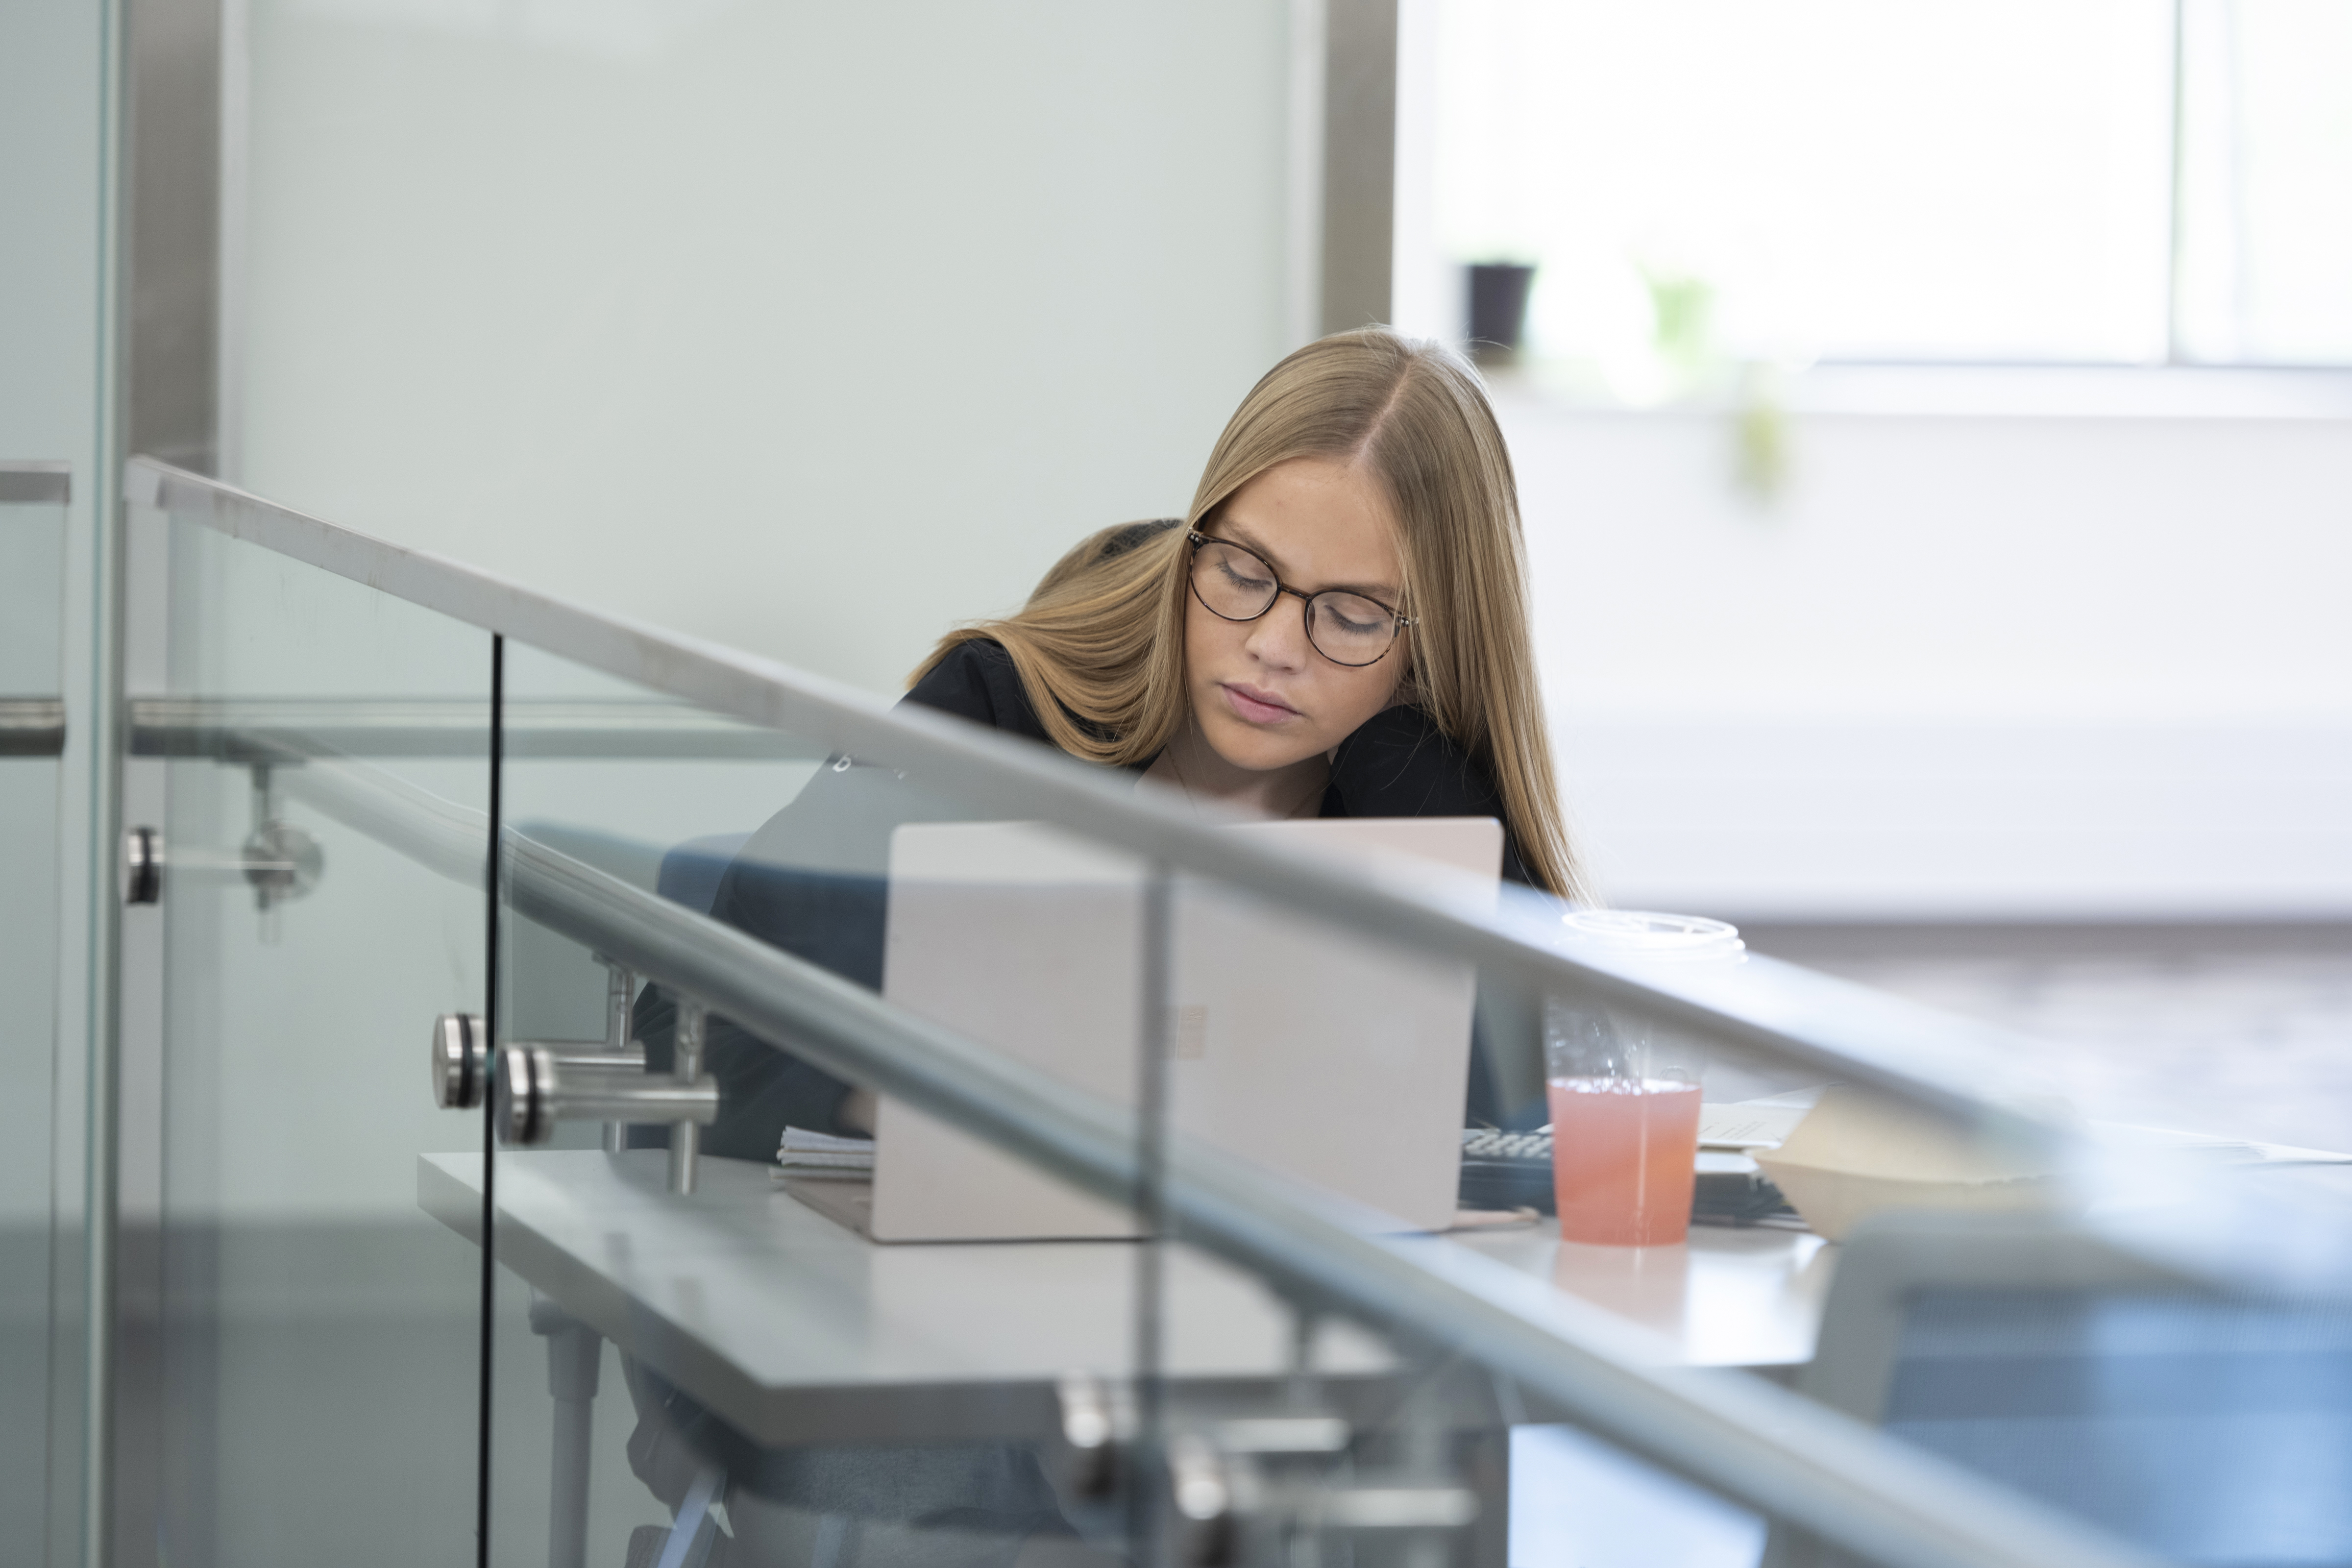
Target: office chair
x=2207, y=1426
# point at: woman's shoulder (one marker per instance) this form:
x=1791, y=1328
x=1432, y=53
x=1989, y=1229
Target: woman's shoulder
x=1399, y=764
x=976, y=680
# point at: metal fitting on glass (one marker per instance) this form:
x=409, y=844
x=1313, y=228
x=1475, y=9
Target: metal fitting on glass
x=620, y=986
x=537, y=1086
x=142, y=866
x=281, y=861
x=1098, y=1423
x=278, y=860
x=686, y=1071
x=461, y=1059
x=1277, y=1472
x=1212, y=1491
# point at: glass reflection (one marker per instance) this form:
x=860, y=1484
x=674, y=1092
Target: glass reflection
x=315, y=1325
x=32, y=718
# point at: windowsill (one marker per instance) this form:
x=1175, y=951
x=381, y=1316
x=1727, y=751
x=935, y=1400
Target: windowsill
x=1991, y=392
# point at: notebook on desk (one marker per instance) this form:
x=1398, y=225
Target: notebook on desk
x=1295, y=1044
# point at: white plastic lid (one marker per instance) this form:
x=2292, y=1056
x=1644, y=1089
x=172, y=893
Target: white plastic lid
x=1652, y=934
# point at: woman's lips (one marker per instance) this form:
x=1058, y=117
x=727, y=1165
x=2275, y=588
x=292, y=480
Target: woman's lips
x=1256, y=707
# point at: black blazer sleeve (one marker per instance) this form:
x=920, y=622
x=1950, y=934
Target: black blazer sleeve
x=1401, y=764
x=976, y=681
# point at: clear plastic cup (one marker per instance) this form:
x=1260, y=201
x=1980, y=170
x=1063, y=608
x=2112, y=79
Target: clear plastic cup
x=1625, y=1092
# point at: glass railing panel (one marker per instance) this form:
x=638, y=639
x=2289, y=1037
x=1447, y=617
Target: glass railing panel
x=742, y=1359
x=299, y=1361
x=32, y=735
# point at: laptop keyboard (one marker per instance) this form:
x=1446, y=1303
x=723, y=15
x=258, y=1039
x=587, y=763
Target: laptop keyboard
x=1513, y=1169
x=1488, y=1143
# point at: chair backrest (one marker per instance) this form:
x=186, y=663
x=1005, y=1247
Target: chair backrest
x=1890, y=1263
x=690, y=872
x=2203, y=1426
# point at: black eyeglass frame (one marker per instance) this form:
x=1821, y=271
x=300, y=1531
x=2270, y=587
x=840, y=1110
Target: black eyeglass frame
x=1305, y=600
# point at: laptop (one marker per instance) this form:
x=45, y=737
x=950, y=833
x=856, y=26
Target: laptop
x=1300, y=1048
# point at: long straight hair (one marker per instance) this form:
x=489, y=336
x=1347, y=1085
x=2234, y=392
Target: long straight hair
x=1100, y=644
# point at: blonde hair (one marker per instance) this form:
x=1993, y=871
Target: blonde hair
x=1100, y=644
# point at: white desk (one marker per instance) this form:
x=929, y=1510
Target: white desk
x=795, y=1329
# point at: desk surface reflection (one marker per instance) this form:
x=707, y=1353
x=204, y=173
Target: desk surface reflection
x=796, y=1330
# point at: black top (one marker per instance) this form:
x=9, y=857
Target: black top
x=815, y=880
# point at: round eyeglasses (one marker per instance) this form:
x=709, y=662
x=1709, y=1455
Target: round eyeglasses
x=1237, y=585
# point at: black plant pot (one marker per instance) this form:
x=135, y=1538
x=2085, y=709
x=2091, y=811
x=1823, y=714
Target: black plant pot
x=1499, y=308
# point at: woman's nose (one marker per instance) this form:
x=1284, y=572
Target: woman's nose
x=1278, y=637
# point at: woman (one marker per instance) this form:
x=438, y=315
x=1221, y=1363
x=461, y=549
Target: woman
x=1336, y=628
x=1339, y=627
x=1365, y=470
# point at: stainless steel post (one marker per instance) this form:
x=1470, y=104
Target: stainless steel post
x=618, y=984
x=686, y=1066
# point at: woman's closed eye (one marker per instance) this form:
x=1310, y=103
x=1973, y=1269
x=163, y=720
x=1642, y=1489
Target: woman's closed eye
x=1356, y=617
x=1236, y=570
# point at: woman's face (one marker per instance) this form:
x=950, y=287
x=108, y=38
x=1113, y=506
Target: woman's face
x=1263, y=696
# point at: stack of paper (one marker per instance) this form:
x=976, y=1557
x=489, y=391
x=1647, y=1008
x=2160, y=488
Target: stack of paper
x=821, y=1156
x=1747, y=1124
x=1859, y=1151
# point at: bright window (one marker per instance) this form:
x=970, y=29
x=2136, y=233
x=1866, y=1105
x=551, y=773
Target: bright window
x=2006, y=180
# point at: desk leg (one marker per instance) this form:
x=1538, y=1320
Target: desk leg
x=575, y=1354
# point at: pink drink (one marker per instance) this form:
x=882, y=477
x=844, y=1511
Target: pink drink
x=1625, y=1157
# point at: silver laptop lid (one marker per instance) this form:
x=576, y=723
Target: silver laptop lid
x=1296, y=1045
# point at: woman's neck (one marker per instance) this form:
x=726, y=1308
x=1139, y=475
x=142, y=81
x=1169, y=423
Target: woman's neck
x=1194, y=767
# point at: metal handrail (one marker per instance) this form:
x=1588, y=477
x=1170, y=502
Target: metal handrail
x=1770, y=1448
x=1844, y=1031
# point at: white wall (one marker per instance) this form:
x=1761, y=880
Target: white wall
x=818, y=329
x=1963, y=666
x=811, y=328
x=54, y=57
x=2011, y=644
x=53, y=125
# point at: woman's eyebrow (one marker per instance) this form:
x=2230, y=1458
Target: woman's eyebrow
x=1248, y=541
